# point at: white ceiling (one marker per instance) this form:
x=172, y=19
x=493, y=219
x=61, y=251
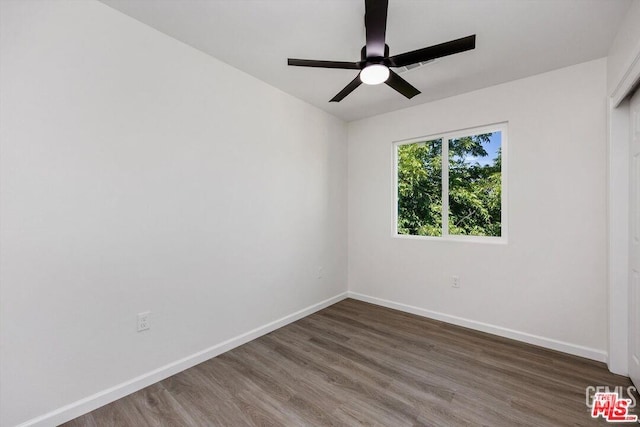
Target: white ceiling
x=515, y=39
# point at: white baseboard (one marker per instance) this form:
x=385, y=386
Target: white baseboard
x=109, y=395
x=577, y=350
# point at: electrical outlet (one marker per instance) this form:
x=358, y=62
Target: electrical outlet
x=143, y=321
x=320, y=272
x=455, y=282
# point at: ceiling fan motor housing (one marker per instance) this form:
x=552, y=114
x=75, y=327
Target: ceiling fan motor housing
x=373, y=60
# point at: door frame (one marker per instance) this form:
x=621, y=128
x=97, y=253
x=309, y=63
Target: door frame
x=618, y=216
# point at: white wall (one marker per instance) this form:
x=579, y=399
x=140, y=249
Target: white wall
x=140, y=174
x=548, y=285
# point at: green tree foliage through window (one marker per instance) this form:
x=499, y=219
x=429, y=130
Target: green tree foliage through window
x=475, y=187
x=420, y=188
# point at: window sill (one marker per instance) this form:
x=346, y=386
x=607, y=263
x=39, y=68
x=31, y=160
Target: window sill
x=462, y=239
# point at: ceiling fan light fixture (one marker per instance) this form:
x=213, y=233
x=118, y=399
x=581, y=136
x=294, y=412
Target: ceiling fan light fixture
x=374, y=74
x=374, y=56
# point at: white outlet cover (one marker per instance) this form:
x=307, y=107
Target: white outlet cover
x=143, y=321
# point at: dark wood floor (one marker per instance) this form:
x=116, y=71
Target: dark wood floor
x=355, y=363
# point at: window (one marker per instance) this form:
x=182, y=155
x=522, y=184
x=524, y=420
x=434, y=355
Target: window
x=452, y=185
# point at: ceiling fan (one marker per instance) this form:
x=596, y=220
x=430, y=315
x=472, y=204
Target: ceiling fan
x=375, y=60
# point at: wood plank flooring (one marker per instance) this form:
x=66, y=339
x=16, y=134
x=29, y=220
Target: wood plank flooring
x=359, y=364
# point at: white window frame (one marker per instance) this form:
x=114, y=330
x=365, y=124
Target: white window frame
x=446, y=136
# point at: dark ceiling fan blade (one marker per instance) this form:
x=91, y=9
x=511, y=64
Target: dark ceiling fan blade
x=433, y=52
x=375, y=21
x=324, y=64
x=401, y=85
x=347, y=89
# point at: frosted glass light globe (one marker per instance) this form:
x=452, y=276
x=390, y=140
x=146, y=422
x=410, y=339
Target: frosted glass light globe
x=374, y=74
